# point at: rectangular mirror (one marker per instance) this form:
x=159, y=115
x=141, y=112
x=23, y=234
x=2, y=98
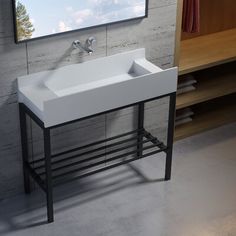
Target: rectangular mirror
x=40, y=18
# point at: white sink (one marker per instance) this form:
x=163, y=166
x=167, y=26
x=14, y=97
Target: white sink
x=92, y=87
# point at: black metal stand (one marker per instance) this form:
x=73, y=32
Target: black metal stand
x=83, y=161
x=170, y=136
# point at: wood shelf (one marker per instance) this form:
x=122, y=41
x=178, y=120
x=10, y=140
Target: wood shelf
x=206, y=120
x=211, y=84
x=207, y=51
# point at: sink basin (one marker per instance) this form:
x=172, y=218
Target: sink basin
x=93, y=87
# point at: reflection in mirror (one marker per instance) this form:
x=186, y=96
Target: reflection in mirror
x=36, y=19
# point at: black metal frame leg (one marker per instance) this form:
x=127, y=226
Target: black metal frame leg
x=140, y=127
x=24, y=145
x=170, y=137
x=48, y=171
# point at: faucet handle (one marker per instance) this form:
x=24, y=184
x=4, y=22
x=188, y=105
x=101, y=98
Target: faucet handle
x=89, y=45
x=91, y=41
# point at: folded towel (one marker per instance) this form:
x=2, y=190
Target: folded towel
x=185, y=90
x=191, y=16
x=183, y=121
x=184, y=113
x=186, y=83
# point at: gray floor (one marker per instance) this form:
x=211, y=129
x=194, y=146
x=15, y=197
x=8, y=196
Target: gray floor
x=200, y=200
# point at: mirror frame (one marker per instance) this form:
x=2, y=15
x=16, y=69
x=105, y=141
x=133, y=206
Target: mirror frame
x=70, y=31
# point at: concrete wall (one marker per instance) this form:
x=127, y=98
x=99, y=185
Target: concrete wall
x=155, y=33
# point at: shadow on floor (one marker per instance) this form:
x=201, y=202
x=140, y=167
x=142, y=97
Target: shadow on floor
x=30, y=210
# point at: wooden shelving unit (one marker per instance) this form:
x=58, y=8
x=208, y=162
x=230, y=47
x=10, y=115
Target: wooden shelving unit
x=206, y=120
x=210, y=56
x=207, y=51
x=211, y=84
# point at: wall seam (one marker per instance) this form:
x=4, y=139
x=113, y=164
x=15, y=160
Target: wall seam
x=31, y=143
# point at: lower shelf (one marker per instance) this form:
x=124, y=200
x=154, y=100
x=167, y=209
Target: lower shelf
x=211, y=83
x=208, y=117
x=96, y=157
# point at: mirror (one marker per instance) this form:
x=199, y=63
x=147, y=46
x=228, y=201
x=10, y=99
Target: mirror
x=36, y=19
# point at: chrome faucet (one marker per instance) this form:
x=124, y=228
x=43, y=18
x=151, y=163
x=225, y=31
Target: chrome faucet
x=87, y=47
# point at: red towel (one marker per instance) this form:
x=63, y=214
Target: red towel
x=191, y=16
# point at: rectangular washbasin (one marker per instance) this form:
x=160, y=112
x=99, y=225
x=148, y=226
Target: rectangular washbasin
x=93, y=87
